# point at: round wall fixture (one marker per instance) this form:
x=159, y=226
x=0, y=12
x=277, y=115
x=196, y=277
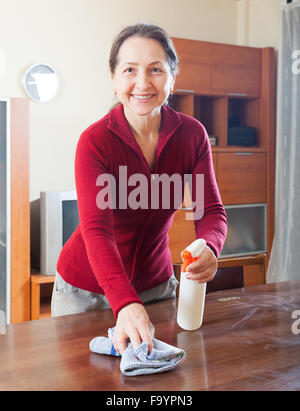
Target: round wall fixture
x=40, y=83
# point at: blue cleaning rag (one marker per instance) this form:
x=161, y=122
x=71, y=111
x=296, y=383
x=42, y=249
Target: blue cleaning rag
x=163, y=357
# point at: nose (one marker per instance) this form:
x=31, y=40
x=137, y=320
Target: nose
x=142, y=80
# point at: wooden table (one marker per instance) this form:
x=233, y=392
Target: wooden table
x=248, y=341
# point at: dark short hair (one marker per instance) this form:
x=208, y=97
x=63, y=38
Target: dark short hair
x=148, y=31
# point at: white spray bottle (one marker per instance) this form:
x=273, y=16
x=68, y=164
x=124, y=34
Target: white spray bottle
x=191, y=293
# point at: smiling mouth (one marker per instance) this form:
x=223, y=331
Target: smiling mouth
x=142, y=98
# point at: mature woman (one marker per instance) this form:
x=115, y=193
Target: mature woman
x=119, y=257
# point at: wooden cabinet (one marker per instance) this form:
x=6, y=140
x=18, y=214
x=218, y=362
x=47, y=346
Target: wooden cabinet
x=195, y=59
x=242, y=177
x=212, y=112
x=236, y=70
x=233, y=82
x=218, y=68
x=182, y=232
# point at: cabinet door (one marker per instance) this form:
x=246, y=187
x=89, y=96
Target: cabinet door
x=194, y=64
x=242, y=177
x=236, y=69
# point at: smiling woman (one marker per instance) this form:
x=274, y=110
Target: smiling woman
x=119, y=257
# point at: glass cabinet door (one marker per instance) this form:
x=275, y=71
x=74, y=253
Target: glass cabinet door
x=4, y=224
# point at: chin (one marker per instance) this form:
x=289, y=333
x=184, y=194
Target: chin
x=145, y=111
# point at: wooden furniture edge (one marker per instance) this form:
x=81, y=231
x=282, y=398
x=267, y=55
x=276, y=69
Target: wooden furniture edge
x=36, y=280
x=20, y=211
x=238, y=261
x=42, y=278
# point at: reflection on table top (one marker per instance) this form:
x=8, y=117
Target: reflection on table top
x=249, y=340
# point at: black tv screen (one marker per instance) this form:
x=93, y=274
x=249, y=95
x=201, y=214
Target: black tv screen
x=70, y=218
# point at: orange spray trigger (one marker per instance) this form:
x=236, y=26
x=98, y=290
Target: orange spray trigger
x=187, y=259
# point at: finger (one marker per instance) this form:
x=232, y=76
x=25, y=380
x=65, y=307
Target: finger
x=122, y=345
x=146, y=336
x=201, y=268
x=135, y=338
x=202, y=262
x=119, y=342
x=204, y=276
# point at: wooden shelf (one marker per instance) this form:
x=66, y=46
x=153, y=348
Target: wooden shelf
x=234, y=149
x=41, y=292
x=42, y=279
x=45, y=308
x=216, y=83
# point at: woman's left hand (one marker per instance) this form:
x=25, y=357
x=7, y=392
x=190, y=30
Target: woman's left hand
x=204, y=268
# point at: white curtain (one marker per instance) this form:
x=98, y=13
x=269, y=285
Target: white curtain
x=284, y=262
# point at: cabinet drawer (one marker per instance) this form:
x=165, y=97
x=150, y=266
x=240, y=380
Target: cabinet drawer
x=236, y=69
x=242, y=177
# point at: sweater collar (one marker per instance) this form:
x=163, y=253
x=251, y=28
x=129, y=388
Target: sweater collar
x=118, y=124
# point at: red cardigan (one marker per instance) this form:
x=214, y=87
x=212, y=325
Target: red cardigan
x=121, y=252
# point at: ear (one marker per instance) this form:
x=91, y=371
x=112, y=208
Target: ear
x=112, y=78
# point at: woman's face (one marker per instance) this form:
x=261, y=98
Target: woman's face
x=142, y=78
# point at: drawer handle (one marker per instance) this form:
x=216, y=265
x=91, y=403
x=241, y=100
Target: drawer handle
x=182, y=90
x=237, y=94
x=243, y=153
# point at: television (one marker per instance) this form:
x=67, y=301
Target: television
x=58, y=220
x=246, y=232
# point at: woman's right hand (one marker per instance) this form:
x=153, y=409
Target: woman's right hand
x=133, y=323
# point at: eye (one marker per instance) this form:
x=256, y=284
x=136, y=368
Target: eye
x=156, y=70
x=128, y=70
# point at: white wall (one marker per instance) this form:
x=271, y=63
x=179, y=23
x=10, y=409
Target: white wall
x=258, y=22
x=74, y=37
x=264, y=23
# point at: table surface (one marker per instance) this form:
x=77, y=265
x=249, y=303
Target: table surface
x=248, y=341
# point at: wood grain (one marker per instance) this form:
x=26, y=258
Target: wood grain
x=236, y=69
x=181, y=234
x=245, y=343
x=20, y=211
x=194, y=65
x=267, y=112
x=242, y=177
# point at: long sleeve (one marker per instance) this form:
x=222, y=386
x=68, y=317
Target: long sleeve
x=210, y=218
x=97, y=225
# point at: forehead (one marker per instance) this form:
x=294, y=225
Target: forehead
x=141, y=50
